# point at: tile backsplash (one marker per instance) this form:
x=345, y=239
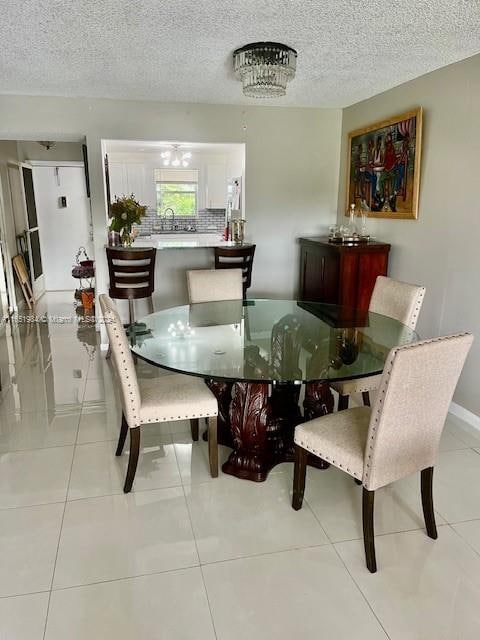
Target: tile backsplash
x=207, y=221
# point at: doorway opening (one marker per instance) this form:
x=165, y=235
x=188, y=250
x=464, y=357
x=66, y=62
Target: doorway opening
x=46, y=214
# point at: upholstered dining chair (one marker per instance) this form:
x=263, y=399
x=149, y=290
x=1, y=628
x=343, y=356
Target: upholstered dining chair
x=165, y=399
x=212, y=285
x=398, y=300
x=398, y=436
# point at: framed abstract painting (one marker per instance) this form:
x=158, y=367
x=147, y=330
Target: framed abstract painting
x=384, y=167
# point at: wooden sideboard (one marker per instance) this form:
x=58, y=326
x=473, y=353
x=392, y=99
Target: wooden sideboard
x=341, y=274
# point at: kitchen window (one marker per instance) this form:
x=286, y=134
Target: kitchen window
x=177, y=189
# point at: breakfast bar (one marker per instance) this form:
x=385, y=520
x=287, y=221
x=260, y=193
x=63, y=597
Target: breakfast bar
x=176, y=254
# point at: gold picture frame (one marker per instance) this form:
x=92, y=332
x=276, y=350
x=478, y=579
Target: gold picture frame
x=383, y=167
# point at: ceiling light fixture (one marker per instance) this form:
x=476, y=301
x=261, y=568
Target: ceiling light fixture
x=175, y=157
x=265, y=68
x=48, y=144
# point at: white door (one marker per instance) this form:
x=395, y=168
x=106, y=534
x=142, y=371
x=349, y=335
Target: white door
x=63, y=229
x=33, y=236
x=26, y=222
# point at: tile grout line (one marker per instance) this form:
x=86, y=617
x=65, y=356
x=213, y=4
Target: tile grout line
x=174, y=570
x=457, y=533
x=195, y=542
x=370, y=606
x=122, y=578
x=61, y=529
x=351, y=576
x=20, y=595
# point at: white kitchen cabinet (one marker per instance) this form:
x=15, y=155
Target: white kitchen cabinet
x=136, y=181
x=127, y=178
x=216, y=188
x=118, y=180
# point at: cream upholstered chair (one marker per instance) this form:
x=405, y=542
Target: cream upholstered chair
x=164, y=399
x=398, y=300
x=398, y=436
x=213, y=285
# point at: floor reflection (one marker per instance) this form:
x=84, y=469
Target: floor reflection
x=45, y=358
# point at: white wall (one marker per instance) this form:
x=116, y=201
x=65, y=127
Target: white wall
x=62, y=230
x=439, y=250
x=292, y=160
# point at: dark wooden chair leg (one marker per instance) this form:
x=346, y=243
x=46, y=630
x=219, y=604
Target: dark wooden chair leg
x=194, y=425
x=212, y=446
x=299, y=475
x=368, y=529
x=133, y=459
x=122, y=437
x=342, y=402
x=366, y=398
x=427, y=502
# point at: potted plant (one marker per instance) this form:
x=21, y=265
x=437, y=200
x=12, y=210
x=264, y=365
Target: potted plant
x=124, y=213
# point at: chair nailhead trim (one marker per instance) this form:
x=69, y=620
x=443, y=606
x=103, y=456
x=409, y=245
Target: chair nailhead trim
x=386, y=381
x=321, y=455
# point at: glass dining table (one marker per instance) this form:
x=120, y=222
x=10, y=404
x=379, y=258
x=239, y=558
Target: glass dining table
x=257, y=356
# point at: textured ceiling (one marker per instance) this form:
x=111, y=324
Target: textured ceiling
x=180, y=50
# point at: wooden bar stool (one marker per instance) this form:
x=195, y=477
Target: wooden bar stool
x=131, y=273
x=237, y=258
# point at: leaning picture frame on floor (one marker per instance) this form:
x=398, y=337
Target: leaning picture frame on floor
x=383, y=167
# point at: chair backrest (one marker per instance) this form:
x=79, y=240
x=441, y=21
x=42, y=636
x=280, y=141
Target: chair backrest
x=131, y=272
x=209, y=285
x=398, y=300
x=122, y=361
x=411, y=406
x=237, y=258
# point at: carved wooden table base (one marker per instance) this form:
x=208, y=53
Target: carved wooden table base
x=260, y=427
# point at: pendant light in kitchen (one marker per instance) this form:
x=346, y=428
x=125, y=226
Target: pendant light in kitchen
x=176, y=157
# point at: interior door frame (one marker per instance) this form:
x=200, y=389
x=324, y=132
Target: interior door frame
x=38, y=284
x=8, y=301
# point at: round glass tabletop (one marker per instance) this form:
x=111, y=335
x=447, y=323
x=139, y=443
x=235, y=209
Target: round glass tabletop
x=281, y=341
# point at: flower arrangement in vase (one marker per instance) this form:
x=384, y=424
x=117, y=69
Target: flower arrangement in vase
x=124, y=213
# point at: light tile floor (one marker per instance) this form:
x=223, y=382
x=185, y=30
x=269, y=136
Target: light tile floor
x=187, y=557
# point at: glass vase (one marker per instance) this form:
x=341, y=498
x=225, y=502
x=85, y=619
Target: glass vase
x=127, y=238
x=363, y=231
x=352, y=227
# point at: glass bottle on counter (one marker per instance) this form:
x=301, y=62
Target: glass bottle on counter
x=352, y=227
x=238, y=230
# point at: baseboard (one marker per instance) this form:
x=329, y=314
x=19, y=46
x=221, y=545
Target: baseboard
x=464, y=414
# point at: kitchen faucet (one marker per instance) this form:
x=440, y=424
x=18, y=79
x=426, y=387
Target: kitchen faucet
x=172, y=228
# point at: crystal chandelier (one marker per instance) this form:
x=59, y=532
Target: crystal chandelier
x=265, y=68
x=176, y=157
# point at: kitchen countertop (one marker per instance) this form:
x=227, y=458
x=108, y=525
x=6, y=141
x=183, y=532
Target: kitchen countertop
x=182, y=241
